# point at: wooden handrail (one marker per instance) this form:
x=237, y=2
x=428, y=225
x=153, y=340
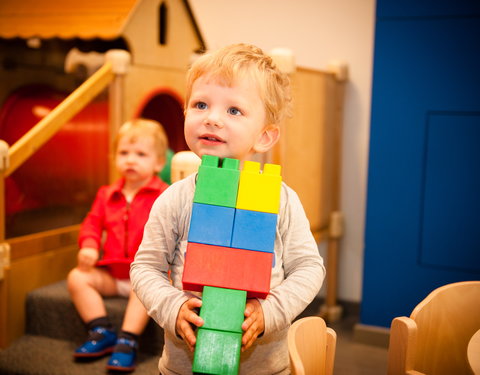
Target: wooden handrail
x=50, y=124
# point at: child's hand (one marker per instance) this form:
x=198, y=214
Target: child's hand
x=87, y=257
x=254, y=324
x=188, y=317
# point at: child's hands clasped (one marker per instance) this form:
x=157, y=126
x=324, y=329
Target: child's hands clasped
x=188, y=317
x=87, y=257
x=254, y=323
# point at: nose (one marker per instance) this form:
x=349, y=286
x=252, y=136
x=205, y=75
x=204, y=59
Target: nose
x=130, y=158
x=213, y=119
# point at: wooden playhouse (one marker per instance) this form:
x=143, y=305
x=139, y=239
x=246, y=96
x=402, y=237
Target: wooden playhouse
x=63, y=94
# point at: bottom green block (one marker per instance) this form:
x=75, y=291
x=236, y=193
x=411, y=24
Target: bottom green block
x=217, y=352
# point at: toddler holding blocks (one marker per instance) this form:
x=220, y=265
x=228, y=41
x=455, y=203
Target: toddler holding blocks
x=236, y=99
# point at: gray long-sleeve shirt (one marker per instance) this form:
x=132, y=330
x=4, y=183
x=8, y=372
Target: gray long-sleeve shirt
x=296, y=278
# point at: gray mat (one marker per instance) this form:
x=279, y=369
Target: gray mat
x=36, y=355
x=50, y=312
x=53, y=331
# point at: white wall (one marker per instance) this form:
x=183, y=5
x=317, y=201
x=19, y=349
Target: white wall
x=318, y=31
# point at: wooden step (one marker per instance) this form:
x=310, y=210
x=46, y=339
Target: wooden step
x=51, y=313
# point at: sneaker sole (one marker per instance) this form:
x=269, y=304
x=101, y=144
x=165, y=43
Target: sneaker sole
x=93, y=355
x=123, y=369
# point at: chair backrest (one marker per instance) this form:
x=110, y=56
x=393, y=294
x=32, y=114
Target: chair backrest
x=434, y=340
x=311, y=347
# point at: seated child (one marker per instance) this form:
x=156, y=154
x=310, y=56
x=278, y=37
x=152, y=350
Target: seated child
x=120, y=211
x=236, y=98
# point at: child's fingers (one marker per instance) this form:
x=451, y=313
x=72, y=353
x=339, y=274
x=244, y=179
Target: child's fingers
x=186, y=333
x=250, y=335
x=193, y=304
x=187, y=317
x=85, y=263
x=253, y=325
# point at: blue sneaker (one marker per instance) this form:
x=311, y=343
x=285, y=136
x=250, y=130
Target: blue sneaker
x=100, y=342
x=123, y=356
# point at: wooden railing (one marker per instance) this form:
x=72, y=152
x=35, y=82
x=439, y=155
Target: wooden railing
x=110, y=74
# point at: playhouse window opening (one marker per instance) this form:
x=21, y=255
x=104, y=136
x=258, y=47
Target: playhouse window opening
x=162, y=24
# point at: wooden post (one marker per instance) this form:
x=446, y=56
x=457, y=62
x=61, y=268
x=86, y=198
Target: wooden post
x=120, y=61
x=4, y=248
x=4, y=163
x=331, y=311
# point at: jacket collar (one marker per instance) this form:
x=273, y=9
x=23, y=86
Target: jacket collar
x=115, y=190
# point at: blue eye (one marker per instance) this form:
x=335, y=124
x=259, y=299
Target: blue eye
x=234, y=111
x=200, y=105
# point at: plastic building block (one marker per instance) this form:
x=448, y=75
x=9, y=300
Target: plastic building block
x=259, y=191
x=211, y=224
x=223, y=309
x=217, y=181
x=254, y=230
x=226, y=267
x=217, y=352
x=230, y=253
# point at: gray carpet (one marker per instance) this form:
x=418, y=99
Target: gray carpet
x=54, y=330
x=47, y=349
x=40, y=355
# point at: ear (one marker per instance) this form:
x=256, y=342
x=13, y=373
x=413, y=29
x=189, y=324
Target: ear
x=267, y=139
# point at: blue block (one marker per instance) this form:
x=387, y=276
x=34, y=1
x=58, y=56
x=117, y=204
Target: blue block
x=253, y=230
x=211, y=225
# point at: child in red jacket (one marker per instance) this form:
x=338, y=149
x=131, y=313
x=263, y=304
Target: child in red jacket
x=120, y=211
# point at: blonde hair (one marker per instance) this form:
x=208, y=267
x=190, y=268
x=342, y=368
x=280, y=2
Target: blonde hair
x=143, y=127
x=243, y=60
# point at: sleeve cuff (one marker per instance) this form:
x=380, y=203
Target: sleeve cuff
x=266, y=308
x=89, y=242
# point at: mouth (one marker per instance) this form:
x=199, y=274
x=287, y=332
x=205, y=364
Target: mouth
x=211, y=139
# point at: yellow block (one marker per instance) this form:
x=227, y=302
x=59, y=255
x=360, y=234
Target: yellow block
x=259, y=191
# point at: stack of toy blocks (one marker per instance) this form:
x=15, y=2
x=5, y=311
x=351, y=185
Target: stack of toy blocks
x=230, y=253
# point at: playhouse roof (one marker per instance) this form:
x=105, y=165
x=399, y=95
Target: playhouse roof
x=85, y=19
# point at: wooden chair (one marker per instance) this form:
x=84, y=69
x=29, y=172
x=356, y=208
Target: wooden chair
x=434, y=340
x=311, y=347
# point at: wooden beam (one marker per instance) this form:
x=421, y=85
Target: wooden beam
x=50, y=124
x=37, y=243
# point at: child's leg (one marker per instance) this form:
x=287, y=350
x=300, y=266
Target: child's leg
x=87, y=288
x=136, y=317
x=134, y=322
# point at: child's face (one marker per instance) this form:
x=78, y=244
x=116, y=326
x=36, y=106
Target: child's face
x=136, y=159
x=226, y=121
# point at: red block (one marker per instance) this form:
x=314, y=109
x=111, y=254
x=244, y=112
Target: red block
x=225, y=267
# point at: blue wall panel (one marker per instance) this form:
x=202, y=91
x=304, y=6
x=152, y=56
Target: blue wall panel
x=425, y=96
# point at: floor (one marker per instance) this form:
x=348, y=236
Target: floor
x=353, y=358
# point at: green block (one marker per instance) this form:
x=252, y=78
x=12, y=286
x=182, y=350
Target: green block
x=217, y=181
x=217, y=352
x=223, y=309
x=166, y=173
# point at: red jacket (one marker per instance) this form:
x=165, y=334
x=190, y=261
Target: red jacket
x=122, y=222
